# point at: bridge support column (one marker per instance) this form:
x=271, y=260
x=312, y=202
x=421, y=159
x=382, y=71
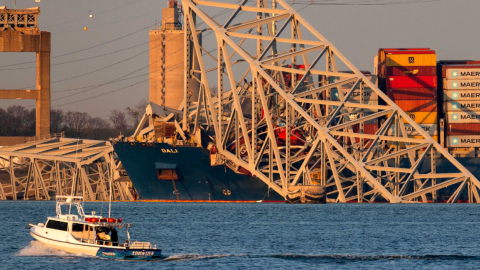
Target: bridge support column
x=22, y=35
x=43, y=86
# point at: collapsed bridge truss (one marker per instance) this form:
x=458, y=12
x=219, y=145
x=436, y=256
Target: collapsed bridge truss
x=274, y=116
x=41, y=169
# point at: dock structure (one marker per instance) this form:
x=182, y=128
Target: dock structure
x=273, y=115
x=19, y=33
x=42, y=169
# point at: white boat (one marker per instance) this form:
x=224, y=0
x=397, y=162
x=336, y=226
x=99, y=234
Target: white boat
x=92, y=235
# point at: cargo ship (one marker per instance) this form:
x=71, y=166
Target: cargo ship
x=162, y=169
x=163, y=172
x=169, y=172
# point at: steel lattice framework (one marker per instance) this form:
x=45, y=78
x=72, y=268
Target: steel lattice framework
x=264, y=94
x=45, y=168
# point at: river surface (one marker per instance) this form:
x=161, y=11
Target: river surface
x=265, y=236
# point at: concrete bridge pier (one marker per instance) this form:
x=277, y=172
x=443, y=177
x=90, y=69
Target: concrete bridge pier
x=19, y=33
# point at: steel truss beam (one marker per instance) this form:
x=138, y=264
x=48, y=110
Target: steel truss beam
x=281, y=123
x=59, y=166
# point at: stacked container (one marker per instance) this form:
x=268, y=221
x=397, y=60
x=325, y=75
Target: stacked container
x=408, y=77
x=461, y=104
x=369, y=97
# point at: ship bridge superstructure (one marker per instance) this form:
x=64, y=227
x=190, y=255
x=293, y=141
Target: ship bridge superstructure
x=265, y=107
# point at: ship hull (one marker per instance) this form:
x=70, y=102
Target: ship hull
x=205, y=183
x=198, y=180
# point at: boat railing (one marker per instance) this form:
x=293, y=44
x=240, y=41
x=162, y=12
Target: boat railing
x=134, y=244
x=146, y=245
x=102, y=242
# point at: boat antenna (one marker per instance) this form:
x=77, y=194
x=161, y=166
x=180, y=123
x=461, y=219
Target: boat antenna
x=74, y=180
x=111, y=191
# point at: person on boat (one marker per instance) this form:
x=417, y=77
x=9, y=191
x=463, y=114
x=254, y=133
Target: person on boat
x=102, y=234
x=114, y=237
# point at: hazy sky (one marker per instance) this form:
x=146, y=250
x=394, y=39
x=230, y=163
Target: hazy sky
x=447, y=26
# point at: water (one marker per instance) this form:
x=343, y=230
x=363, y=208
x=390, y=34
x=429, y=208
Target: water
x=266, y=236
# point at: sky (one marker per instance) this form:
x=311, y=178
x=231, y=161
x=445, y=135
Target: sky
x=447, y=26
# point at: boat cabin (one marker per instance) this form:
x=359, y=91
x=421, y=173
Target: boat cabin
x=91, y=229
x=96, y=232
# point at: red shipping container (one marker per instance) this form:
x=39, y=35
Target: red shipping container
x=411, y=71
x=412, y=94
x=367, y=129
x=463, y=129
x=417, y=105
x=411, y=82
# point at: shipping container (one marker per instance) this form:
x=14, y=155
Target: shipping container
x=287, y=76
x=417, y=105
x=461, y=84
x=463, y=129
x=163, y=129
x=367, y=129
x=383, y=51
x=461, y=105
x=403, y=145
x=420, y=52
x=409, y=71
x=443, y=63
x=463, y=141
x=412, y=93
x=423, y=117
x=368, y=94
x=334, y=79
x=355, y=116
x=431, y=129
x=440, y=72
x=411, y=82
x=395, y=59
x=458, y=62
x=453, y=95
x=435, y=138
x=461, y=72
x=463, y=117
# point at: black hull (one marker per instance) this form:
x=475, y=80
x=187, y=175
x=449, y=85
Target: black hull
x=199, y=181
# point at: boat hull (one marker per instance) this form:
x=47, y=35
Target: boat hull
x=130, y=254
x=104, y=252
x=67, y=247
